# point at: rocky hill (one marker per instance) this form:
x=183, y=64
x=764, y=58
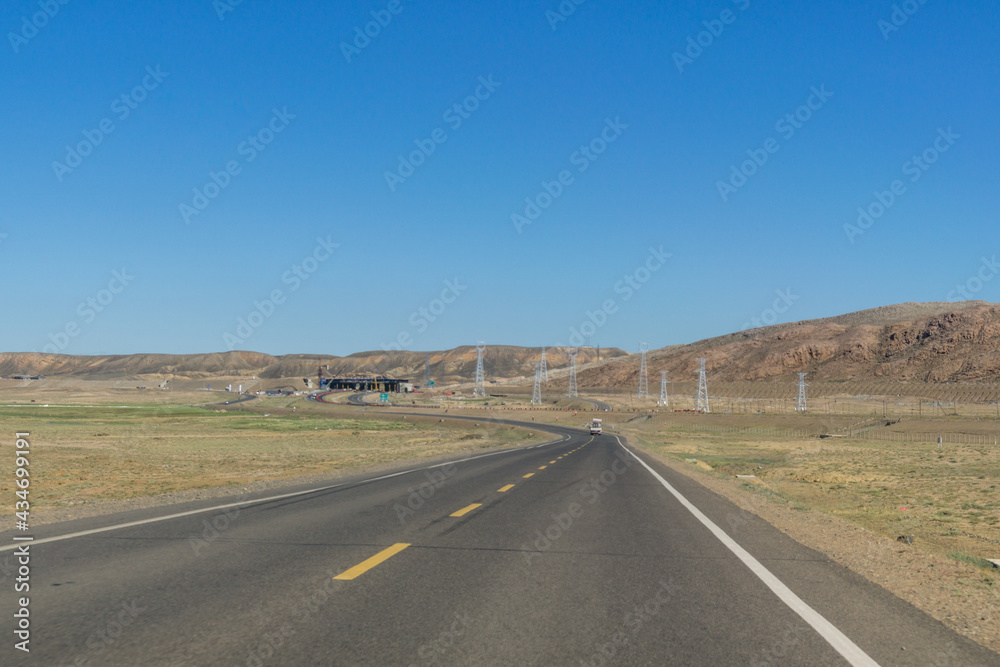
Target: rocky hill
x=918, y=342
x=500, y=361
x=922, y=342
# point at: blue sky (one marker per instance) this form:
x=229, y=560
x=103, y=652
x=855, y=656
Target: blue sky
x=619, y=121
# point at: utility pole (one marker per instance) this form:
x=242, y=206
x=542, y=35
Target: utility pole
x=572, y=392
x=663, y=402
x=427, y=370
x=480, y=389
x=643, y=377
x=701, y=400
x=536, y=393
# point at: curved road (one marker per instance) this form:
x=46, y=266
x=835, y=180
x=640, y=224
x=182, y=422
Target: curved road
x=599, y=405
x=354, y=399
x=358, y=399
x=579, y=551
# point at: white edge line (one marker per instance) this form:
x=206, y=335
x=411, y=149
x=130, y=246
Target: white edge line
x=837, y=639
x=248, y=503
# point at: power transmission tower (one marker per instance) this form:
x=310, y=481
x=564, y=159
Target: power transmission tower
x=480, y=389
x=545, y=367
x=801, y=404
x=701, y=402
x=663, y=390
x=572, y=393
x=643, y=377
x=536, y=394
x=427, y=370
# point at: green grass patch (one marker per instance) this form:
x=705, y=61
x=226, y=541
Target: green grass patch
x=963, y=557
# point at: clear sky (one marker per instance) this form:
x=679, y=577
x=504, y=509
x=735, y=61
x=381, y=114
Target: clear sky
x=185, y=177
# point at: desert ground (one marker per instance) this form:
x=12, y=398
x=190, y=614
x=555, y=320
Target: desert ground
x=865, y=482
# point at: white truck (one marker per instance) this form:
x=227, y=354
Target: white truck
x=595, y=426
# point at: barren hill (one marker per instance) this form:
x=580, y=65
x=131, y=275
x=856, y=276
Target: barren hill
x=920, y=342
x=923, y=342
x=500, y=361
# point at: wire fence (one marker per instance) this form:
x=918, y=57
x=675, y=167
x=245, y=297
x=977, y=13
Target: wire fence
x=876, y=432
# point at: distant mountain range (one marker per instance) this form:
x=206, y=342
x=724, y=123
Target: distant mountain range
x=499, y=361
x=918, y=342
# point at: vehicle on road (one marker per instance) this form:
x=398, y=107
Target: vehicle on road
x=595, y=426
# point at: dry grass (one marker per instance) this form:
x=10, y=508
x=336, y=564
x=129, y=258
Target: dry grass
x=83, y=455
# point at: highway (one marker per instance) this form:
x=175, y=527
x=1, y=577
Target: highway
x=598, y=405
x=576, y=552
x=359, y=399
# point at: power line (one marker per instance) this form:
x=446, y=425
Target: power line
x=643, y=377
x=572, y=393
x=801, y=403
x=701, y=401
x=536, y=394
x=480, y=388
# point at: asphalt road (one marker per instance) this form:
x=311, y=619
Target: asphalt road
x=571, y=553
x=599, y=405
x=357, y=399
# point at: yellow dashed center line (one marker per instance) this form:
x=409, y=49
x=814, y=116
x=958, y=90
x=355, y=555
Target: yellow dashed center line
x=466, y=510
x=529, y=475
x=504, y=489
x=551, y=462
x=366, y=565
x=542, y=467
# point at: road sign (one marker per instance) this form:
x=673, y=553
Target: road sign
x=383, y=398
x=430, y=383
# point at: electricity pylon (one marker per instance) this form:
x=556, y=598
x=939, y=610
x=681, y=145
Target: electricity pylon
x=480, y=389
x=663, y=402
x=701, y=401
x=801, y=404
x=643, y=377
x=536, y=394
x=545, y=367
x=572, y=393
